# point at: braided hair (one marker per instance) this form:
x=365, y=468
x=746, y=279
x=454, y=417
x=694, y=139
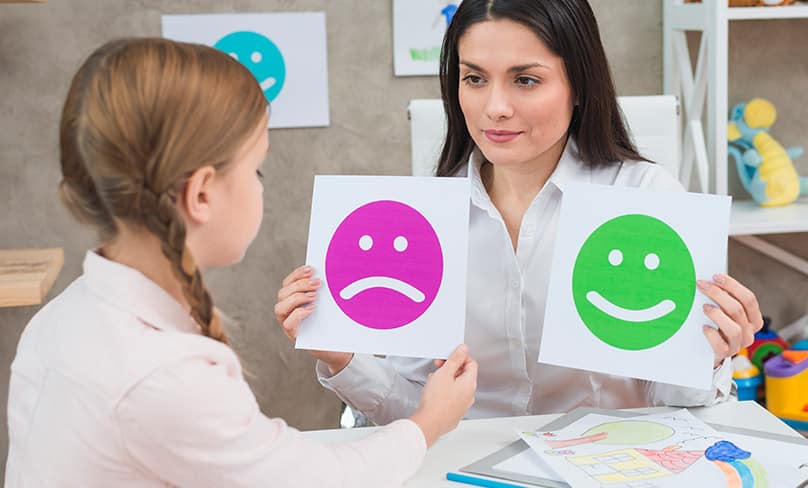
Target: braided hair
x=141, y=115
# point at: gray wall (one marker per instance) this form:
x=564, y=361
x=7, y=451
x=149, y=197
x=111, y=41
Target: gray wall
x=42, y=45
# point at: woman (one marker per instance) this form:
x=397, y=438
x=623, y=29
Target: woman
x=530, y=104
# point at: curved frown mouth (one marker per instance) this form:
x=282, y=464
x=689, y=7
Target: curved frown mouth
x=394, y=284
x=652, y=313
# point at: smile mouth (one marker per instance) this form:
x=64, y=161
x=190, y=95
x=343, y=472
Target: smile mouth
x=268, y=83
x=652, y=313
x=359, y=286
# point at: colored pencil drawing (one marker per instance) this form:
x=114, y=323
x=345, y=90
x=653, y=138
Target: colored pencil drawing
x=665, y=451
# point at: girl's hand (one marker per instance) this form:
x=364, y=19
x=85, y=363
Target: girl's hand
x=737, y=316
x=295, y=303
x=447, y=395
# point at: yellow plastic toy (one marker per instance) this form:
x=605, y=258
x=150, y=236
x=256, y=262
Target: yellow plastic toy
x=787, y=386
x=746, y=376
x=765, y=167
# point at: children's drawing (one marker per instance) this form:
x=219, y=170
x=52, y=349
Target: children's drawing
x=737, y=465
x=626, y=465
x=384, y=265
x=620, y=432
x=447, y=12
x=418, y=29
x=660, y=451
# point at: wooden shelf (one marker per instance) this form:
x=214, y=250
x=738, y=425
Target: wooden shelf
x=749, y=218
x=700, y=16
x=23, y=1
x=796, y=11
x=26, y=275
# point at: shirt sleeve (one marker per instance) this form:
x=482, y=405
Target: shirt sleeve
x=383, y=389
x=722, y=389
x=197, y=423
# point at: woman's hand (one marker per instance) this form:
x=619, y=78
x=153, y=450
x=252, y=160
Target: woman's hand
x=737, y=316
x=295, y=303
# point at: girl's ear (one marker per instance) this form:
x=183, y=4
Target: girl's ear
x=194, y=201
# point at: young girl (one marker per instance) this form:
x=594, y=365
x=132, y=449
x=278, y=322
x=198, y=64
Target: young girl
x=126, y=378
x=530, y=105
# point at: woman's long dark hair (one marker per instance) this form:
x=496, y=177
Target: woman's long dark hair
x=569, y=30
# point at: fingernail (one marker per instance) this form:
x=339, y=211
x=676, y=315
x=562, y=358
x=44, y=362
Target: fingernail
x=703, y=285
x=719, y=278
x=314, y=282
x=311, y=294
x=707, y=307
x=307, y=269
x=310, y=306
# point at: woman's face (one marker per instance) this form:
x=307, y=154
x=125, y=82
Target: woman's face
x=514, y=94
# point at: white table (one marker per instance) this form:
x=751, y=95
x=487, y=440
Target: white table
x=474, y=439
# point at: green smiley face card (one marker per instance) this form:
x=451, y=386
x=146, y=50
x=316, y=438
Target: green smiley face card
x=622, y=297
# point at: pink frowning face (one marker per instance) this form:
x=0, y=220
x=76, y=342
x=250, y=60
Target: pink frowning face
x=384, y=265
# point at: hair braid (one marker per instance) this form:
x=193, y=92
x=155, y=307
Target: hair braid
x=159, y=214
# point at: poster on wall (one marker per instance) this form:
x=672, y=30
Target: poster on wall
x=418, y=29
x=286, y=52
x=391, y=254
x=622, y=297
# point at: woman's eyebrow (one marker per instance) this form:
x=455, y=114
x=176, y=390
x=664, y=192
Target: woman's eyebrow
x=512, y=69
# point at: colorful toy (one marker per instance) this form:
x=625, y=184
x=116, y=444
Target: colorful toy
x=747, y=376
x=765, y=167
x=767, y=344
x=787, y=387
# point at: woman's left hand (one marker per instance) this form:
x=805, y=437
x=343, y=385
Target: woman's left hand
x=737, y=316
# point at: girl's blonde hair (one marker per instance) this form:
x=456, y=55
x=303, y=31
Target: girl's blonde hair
x=140, y=117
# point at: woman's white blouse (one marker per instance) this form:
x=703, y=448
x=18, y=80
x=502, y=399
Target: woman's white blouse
x=505, y=299
x=113, y=385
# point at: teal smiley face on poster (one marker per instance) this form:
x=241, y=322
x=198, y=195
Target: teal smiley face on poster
x=260, y=55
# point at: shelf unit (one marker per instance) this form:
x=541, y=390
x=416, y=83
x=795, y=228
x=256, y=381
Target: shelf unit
x=708, y=88
x=26, y=275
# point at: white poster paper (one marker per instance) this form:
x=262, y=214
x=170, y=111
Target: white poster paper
x=664, y=450
x=622, y=297
x=286, y=52
x=391, y=252
x=418, y=29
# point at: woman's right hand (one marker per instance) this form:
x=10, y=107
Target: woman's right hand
x=295, y=303
x=447, y=395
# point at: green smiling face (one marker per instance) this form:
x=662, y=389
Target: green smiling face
x=634, y=282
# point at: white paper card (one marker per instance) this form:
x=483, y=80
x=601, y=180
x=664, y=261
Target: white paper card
x=418, y=28
x=286, y=52
x=391, y=252
x=666, y=450
x=622, y=297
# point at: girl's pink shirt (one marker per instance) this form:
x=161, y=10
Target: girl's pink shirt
x=113, y=385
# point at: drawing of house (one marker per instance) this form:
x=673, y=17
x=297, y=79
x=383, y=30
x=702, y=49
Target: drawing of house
x=626, y=465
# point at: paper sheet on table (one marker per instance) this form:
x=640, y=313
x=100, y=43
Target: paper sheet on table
x=527, y=463
x=664, y=450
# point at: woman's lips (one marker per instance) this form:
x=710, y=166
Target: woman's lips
x=501, y=136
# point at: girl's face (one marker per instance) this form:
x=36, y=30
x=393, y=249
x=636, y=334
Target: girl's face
x=514, y=94
x=237, y=203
